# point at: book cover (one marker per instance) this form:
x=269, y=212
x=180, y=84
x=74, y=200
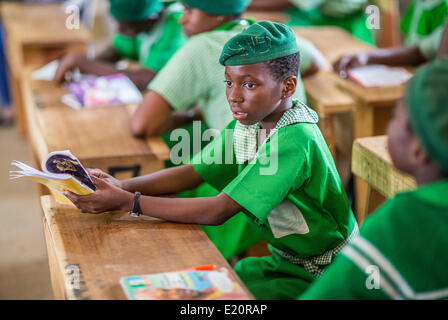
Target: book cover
x=103, y=91
x=191, y=284
x=61, y=171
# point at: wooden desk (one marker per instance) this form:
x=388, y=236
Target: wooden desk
x=35, y=35
x=98, y=137
x=102, y=248
x=275, y=16
x=371, y=163
x=328, y=101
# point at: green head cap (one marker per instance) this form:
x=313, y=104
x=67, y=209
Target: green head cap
x=427, y=103
x=134, y=10
x=219, y=7
x=260, y=42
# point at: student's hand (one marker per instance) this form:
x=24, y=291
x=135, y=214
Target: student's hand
x=350, y=61
x=106, y=177
x=107, y=197
x=68, y=63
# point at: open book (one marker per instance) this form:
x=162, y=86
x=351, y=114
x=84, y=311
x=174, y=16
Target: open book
x=60, y=171
x=101, y=91
x=200, y=283
x=379, y=76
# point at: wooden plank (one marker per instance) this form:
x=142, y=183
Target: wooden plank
x=99, y=137
x=258, y=15
x=102, y=248
x=372, y=165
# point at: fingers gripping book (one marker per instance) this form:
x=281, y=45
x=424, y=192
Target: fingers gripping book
x=61, y=171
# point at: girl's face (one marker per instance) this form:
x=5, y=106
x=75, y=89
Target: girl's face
x=195, y=21
x=255, y=95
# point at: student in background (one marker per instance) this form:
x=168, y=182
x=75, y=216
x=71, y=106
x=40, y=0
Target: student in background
x=194, y=77
x=271, y=162
x=401, y=250
x=347, y=14
x=148, y=32
x=422, y=25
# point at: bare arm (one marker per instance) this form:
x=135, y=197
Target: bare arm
x=206, y=211
x=270, y=5
x=140, y=77
x=109, y=54
x=401, y=56
x=155, y=116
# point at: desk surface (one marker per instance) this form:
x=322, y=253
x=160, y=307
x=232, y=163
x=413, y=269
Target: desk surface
x=99, y=137
x=102, y=248
x=39, y=23
x=371, y=162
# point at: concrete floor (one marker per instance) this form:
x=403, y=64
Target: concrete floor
x=24, y=272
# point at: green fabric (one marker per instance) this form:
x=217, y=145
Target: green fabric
x=295, y=201
x=134, y=10
x=219, y=7
x=194, y=76
x=155, y=47
x=273, y=278
x=260, y=42
x=423, y=18
x=405, y=239
x=429, y=45
x=426, y=100
x=234, y=236
x=354, y=23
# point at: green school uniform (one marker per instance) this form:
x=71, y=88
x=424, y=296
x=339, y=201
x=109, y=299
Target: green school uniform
x=194, y=75
x=423, y=25
x=347, y=14
x=401, y=252
x=292, y=195
x=155, y=47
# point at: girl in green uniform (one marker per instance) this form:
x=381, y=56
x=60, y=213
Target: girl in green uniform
x=148, y=32
x=401, y=252
x=271, y=162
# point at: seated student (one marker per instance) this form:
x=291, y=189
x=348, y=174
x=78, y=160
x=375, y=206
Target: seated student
x=401, y=250
x=193, y=75
x=423, y=26
x=347, y=14
x=149, y=33
x=272, y=163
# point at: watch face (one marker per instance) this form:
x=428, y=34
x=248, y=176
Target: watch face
x=134, y=214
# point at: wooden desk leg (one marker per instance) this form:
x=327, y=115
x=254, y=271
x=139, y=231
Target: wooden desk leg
x=327, y=128
x=20, y=116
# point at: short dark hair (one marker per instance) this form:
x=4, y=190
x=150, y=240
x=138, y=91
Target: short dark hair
x=284, y=67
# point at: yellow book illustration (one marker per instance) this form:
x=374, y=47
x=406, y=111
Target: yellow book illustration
x=61, y=171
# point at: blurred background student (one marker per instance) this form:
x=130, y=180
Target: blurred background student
x=148, y=32
x=422, y=25
x=347, y=14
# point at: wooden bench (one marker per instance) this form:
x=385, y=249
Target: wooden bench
x=371, y=163
x=88, y=254
x=36, y=34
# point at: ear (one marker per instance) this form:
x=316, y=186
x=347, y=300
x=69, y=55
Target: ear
x=417, y=155
x=289, y=86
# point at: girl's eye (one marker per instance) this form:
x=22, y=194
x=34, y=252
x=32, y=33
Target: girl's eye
x=249, y=85
x=228, y=83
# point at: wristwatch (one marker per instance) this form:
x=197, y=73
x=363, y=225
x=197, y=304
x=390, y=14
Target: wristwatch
x=135, y=206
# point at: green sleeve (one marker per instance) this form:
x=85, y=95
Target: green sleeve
x=280, y=166
x=125, y=46
x=181, y=82
x=307, y=50
x=216, y=163
x=170, y=41
x=429, y=46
